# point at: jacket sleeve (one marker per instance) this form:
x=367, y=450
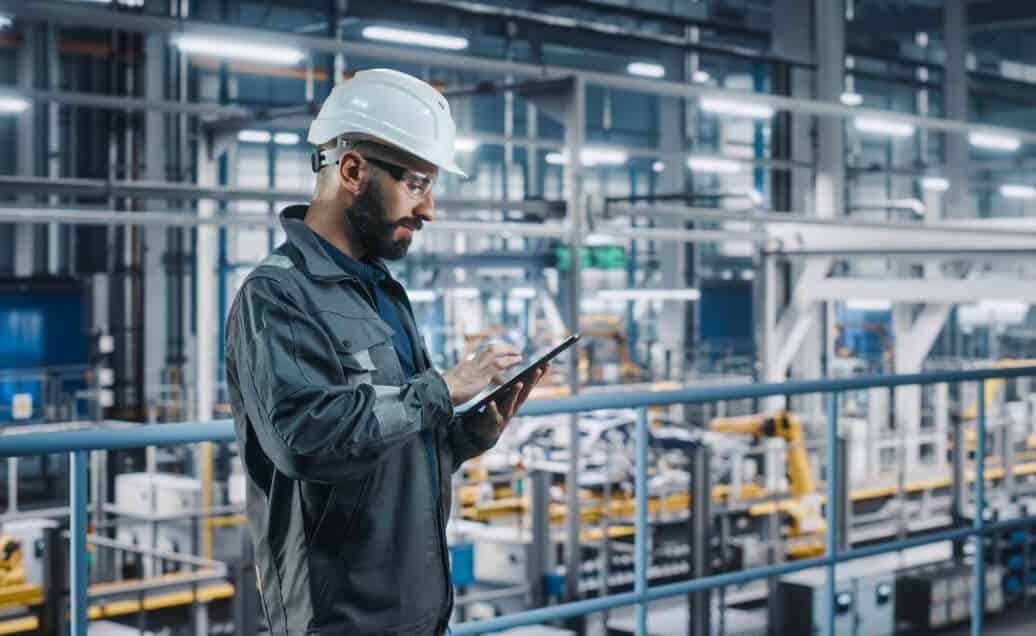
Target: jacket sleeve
x=307, y=419
x=466, y=442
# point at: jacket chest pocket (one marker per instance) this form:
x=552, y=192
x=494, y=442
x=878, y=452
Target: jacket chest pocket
x=364, y=349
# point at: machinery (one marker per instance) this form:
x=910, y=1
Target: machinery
x=12, y=569
x=864, y=604
x=804, y=508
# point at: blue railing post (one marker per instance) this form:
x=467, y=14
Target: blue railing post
x=831, y=507
x=77, y=476
x=640, y=539
x=978, y=600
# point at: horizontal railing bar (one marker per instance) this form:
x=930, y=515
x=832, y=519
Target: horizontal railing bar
x=222, y=430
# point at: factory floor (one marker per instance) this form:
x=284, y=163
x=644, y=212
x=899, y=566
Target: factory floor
x=1011, y=623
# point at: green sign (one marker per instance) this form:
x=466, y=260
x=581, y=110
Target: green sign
x=592, y=257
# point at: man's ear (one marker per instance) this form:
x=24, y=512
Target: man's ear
x=351, y=167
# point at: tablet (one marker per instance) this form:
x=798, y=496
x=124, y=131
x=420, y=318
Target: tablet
x=492, y=393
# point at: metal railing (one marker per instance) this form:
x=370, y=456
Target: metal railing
x=79, y=443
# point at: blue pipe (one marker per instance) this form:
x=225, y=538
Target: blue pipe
x=101, y=439
x=978, y=596
x=832, y=506
x=222, y=430
x=640, y=538
x=77, y=478
x=636, y=399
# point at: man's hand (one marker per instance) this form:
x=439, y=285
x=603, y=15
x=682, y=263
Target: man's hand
x=468, y=378
x=491, y=422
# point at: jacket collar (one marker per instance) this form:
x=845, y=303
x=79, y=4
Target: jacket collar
x=318, y=264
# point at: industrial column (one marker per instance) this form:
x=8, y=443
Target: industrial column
x=156, y=151
x=575, y=134
x=955, y=87
x=25, y=144
x=830, y=187
x=565, y=100
x=701, y=540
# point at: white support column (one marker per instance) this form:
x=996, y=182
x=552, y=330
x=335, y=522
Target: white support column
x=800, y=318
x=25, y=144
x=156, y=152
x=206, y=317
x=914, y=338
x=672, y=333
x=53, y=142
x=955, y=86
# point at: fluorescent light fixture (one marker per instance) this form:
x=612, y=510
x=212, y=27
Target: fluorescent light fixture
x=935, y=184
x=715, y=165
x=417, y=38
x=423, y=296
x=286, y=139
x=863, y=304
x=590, y=157
x=734, y=108
x=646, y=69
x=603, y=157
x=1012, y=191
x=13, y=104
x=852, y=99
x=658, y=166
x=235, y=50
x=875, y=126
x=649, y=294
x=466, y=293
x=993, y=312
x=701, y=76
x=1008, y=311
x=989, y=141
x=5, y=22
x=599, y=238
x=747, y=274
x=464, y=144
x=254, y=136
x=727, y=274
x=523, y=293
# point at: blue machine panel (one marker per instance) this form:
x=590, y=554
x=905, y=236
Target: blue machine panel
x=41, y=326
x=726, y=313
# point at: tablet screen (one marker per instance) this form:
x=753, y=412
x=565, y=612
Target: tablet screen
x=513, y=376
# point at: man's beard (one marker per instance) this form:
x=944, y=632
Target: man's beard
x=371, y=227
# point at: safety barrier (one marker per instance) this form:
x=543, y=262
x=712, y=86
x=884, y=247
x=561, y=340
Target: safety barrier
x=79, y=443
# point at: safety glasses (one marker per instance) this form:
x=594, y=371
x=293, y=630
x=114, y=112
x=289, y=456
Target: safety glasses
x=417, y=184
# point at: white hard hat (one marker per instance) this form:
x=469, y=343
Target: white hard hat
x=394, y=108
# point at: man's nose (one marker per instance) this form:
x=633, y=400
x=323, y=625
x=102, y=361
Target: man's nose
x=425, y=210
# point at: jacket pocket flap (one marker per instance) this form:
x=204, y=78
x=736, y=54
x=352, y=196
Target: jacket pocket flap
x=355, y=335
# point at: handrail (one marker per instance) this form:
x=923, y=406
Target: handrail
x=223, y=431
x=79, y=442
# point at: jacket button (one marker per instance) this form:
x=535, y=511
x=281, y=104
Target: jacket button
x=347, y=343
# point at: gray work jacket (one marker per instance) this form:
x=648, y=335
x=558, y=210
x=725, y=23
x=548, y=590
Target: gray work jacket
x=347, y=500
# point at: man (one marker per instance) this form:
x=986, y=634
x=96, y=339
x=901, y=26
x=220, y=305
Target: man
x=347, y=433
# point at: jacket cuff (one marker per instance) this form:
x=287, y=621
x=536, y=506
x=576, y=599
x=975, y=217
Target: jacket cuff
x=467, y=441
x=435, y=400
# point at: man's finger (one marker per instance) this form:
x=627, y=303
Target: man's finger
x=527, y=389
x=500, y=349
x=512, y=400
x=494, y=410
x=499, y=379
